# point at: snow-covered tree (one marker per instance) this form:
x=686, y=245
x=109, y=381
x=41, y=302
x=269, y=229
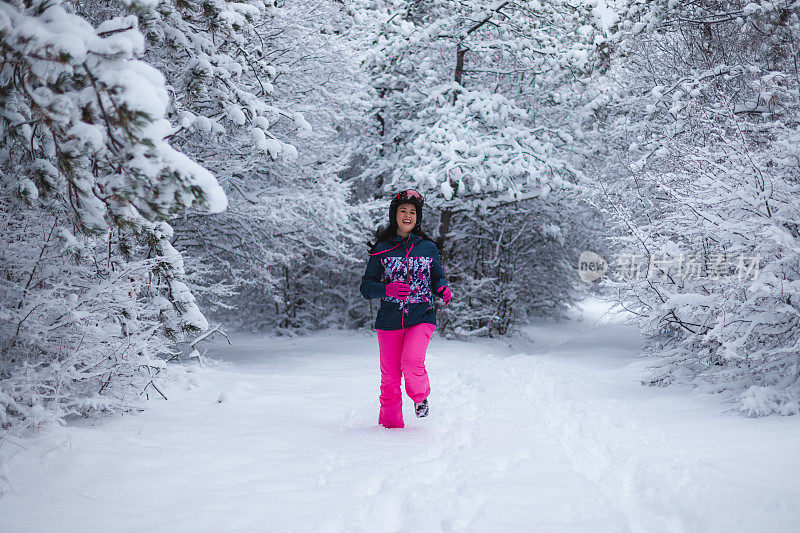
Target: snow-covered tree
x=479, y=109
x=701, y=120
x=92, y=289
x=268, y=99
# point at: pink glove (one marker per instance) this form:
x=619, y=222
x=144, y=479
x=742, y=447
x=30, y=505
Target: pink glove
x=445, y=292
x=398, y=289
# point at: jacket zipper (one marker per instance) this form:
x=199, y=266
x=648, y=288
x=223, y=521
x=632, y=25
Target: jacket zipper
x=402, y=302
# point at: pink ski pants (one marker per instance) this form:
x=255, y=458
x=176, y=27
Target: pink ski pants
x=402, y=354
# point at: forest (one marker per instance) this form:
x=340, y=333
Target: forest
x=177, y=169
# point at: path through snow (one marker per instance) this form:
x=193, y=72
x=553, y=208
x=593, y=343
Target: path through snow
x=553, y=436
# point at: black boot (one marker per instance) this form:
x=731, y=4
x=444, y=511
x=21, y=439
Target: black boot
x=421, y=408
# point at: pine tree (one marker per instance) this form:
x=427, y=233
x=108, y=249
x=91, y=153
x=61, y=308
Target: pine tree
x=267, y=102
x=93, y=290
x=479, y=109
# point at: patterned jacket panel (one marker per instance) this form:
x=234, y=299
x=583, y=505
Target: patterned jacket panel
x=414, y=261
x=416, y=271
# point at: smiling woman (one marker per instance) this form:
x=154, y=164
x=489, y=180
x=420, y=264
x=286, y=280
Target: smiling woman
x=404, y=270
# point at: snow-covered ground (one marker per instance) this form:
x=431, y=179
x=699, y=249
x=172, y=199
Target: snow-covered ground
x=554, y=435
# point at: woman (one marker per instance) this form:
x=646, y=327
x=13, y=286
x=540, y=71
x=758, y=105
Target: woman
x=404, y=270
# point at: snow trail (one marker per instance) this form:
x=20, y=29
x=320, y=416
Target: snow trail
x=282, y=436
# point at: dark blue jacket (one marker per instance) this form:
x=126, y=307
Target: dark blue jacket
x=413, y=260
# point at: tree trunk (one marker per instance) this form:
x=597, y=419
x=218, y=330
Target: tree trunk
x=444, y=227
x=460, y=53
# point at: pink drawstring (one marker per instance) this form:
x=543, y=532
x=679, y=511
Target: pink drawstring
x=392, y=248
x=409, y=251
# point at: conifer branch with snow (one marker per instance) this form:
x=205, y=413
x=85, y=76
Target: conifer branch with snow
x=93, y=289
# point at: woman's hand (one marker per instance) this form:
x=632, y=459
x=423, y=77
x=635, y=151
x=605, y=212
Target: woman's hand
x=398, y=289
x=445, y=293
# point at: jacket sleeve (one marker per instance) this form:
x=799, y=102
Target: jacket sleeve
x=371, y=285
x=438, y=280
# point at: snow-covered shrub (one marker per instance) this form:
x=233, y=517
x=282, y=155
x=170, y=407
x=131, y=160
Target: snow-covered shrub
x=701, y=116
x=509, y=267
x=92, y=289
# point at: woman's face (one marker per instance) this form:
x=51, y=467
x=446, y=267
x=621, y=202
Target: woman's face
x=406, y=218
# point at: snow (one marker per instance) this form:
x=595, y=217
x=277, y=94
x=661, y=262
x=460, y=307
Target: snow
x=215, y=200
x=236, y=115
x=604, y=14
x=280, y=434
x=447, y=189
x=751, y=8
x=28, y=189
x=301, y=123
